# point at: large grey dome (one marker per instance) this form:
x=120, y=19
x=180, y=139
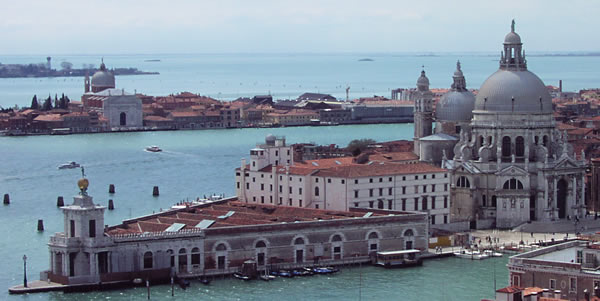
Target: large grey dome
x=103, y=78
x=455, y=106
x=512, y=38
x=458, y=103
x=528, y=91
x=423, y=82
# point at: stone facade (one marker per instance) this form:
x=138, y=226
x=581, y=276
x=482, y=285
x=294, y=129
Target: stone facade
x=123, y=111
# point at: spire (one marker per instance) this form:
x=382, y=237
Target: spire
x=423, y=81
x=513, y=58
x=459, y=83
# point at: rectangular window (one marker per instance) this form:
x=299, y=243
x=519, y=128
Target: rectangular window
x=343, y=182
x=424, y=177
x=416, y=204
x=380, y=180
x=404, y=178
x=424, y=205
x=280, y=200
x=370, y=180
x=300, y=191
x=290, y=201
x=390, y=191
x=579, y=256
x=253, y=179
x=262, y=199
x=262, y=175
x=432, y=187
x=432, y=202
x=416, y=177
x=271, y=199
x=247, y=185
x=328, y=180
x=238, y=185
x=280, y=189
x=371, y=192
x=299, y=203
x=316, y=206
x=445, y=187
x=380, y=191
x=516, y=280
x=271, y=187
x=262, y=186
x=403, y=204
x=370, y=204
x=92, y=224
x=355, y=204
x=316, y=180
x=299, y=179
x=445, y=219
x=355, y=193
x=389, y=179
x=403, y=190
x=572, y=284
x=433, y=176
x=254, y=199
x=445, y=202
x=356, y=181
x=552, y=284
x=290, y=189
x=416, y=188
x=433, y=219
x=72, y=226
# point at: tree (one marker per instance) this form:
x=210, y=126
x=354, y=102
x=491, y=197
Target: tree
x=357, y=146
x=56, y=102
x=66, y=65
x=34, y=103
x=47, y=106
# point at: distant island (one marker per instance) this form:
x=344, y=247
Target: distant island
x=366, y=60
x=45, y=70
x=153, y=60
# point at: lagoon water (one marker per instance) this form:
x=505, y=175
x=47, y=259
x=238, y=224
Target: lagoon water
x=196, y=163
x=192, y=164
x=229, y=76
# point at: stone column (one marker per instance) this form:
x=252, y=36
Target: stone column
x=93, y=271
x=555, y=200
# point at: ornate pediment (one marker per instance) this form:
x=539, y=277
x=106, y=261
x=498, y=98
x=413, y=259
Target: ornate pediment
x=566, y=163
x=466, y=167
x=513, y=171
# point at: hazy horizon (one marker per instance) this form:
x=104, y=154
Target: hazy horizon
x=230, y=26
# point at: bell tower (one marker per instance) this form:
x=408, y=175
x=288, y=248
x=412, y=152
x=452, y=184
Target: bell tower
x=423, y=111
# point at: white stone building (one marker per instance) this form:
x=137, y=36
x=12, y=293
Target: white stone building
x=509, y=163
x=274, y=178
x=123, y=111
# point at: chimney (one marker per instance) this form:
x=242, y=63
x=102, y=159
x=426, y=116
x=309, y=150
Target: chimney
x=533, y=296
x=546, y=293
x=557, y=294
x=560, y=85
x=586, y=295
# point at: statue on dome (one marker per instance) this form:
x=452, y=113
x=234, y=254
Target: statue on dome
x=512, y=26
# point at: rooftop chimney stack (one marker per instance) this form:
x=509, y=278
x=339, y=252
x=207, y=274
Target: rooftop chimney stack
x=560, y=85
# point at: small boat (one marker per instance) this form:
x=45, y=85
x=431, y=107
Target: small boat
x=204, y=280
x=267, y=277
x=241, y=276
x=474, y=255
x=399, y=259
x=325, y=270
x=491, y=253
x=183, y=283
x=69, y=165
x=285, y=273
x=153, y=148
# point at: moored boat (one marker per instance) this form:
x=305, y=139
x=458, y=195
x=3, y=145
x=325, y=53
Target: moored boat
x=69, y=165
x=153, y=148
x=474, y=255
x=399, y=259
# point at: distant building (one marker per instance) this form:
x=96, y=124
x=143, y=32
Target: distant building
x=123, y=111
x=316, y=96
x=101, y=80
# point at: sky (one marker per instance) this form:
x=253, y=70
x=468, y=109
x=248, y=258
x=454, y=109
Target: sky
x=265, y=26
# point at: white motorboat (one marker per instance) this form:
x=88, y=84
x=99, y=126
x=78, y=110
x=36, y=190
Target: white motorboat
x=474, y=255
x=69, y=165
x=491, y=253
x=153, y=148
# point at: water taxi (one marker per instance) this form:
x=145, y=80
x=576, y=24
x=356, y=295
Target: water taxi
x=399, y=259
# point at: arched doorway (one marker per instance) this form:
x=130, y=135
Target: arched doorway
x=123, y=118
x=561, y=197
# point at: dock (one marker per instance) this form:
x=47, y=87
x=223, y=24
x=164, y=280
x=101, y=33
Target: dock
x=37, y=286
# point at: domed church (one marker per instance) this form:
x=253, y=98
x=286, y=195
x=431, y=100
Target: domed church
x=508, y=162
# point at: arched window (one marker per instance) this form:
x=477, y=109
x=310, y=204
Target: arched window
x=513, y=184
x=409, y=232
x=221, y=247
x=520, y=146
x=545, y=141
x=463, y=182
x=195, y=256
x=494, y=201
x=373, y=235
x=480, y=140
x=261, y=244
x=506, y=152
x=336, y=238
x=182, y=260
x=316, y=191
x=536, y=140
x=123, y=118
x=148, y=260
x=299, y=241
x=380, y=204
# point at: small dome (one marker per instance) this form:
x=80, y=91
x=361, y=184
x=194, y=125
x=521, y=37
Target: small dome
x=455, y=106
x=423, y=82
x=512, y=38
x=529, y=93
x=103, y=78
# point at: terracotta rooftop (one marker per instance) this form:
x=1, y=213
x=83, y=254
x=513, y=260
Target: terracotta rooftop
x=243, y=214
x=378, y=169
x=49, y=117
